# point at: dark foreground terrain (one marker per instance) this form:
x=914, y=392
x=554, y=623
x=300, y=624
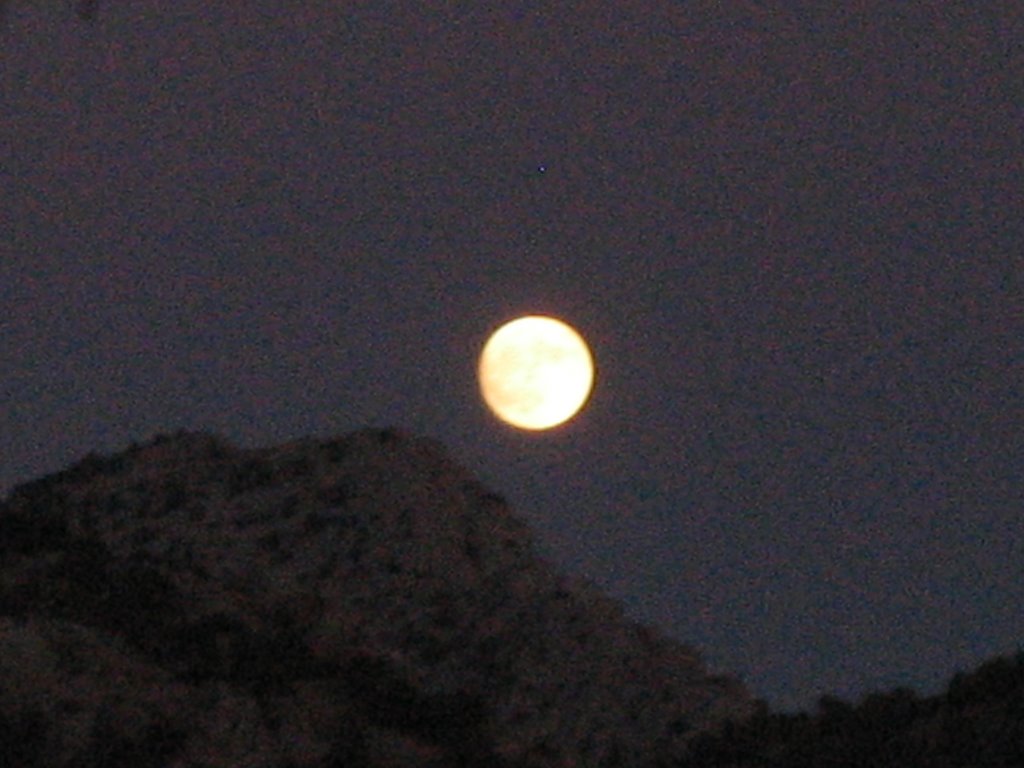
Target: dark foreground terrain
x=353, y=602
x=978, y=722
x=364, y=603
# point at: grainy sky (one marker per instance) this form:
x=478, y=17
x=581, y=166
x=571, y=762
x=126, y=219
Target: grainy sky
x=792, y=236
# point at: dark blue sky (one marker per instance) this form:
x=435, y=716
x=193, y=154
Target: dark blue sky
x=793, y=238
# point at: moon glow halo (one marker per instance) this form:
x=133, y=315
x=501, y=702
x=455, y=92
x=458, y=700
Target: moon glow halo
x=535, y=372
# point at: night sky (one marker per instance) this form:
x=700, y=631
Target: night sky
x=793, y=238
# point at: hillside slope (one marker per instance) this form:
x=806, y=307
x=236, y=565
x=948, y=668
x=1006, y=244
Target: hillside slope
x=358, y=601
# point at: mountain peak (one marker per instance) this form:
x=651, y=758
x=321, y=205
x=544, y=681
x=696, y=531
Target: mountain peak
x=365, y=584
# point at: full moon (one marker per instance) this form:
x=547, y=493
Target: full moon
x=535, y=372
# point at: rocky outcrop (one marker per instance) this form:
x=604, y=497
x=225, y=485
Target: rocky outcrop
x=359, y=601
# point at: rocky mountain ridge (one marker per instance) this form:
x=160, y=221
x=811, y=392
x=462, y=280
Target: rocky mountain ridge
x=347, y=602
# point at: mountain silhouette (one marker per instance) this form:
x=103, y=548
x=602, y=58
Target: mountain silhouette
x=977, y=722
x=360, y=601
